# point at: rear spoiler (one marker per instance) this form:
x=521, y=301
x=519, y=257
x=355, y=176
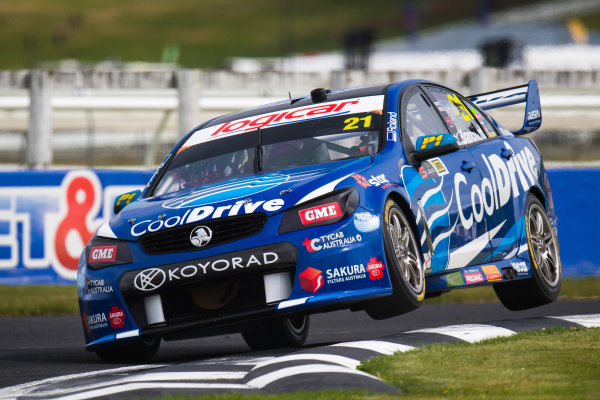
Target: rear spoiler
x=527, y=94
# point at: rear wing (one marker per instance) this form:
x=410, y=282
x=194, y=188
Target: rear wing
x=527, y=94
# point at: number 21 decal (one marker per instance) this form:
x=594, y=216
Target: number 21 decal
x=354, y=122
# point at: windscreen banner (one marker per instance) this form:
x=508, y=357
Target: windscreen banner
x=47, y=217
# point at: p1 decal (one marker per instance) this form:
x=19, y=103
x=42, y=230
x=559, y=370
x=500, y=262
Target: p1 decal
x=311, y=279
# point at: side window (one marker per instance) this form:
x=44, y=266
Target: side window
x=457, y=116
x=483, y=121
x=419, y=118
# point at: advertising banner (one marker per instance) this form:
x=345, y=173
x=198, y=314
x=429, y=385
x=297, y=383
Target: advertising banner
x=47, y=217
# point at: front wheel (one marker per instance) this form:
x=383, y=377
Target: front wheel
x=405, y=266
x=544, y=286
x=132, y=352
x=278, y=332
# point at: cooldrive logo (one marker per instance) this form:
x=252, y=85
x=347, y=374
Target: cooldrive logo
x=153, y=278
x=495, y=190
x=205, y=212
x=103, y=253
x=320, y=213
x=311, y=279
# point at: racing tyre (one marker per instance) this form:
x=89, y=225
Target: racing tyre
x=140, y=351
x=544, y=286
x=281, y=332
x=402, y=252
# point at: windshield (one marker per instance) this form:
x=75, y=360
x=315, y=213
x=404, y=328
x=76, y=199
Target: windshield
x=297, y=144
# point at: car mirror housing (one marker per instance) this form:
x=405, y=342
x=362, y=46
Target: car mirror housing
x=122, y=200
x=434, y=145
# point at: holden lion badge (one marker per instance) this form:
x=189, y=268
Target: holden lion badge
x=200, y=236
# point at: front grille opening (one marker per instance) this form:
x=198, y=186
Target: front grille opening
x=224, y=230
x=206, y=300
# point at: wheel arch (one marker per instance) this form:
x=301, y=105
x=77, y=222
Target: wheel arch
x=405, y=207
x=536, y=191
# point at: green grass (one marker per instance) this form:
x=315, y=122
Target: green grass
x=206, y=32
x=556, y=363
x=572, y=289
x=62, y=299
x=548, y=364
x=38, y=300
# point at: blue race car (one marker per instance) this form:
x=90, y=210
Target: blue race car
x=370, y=198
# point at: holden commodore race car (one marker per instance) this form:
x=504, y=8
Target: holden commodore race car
x=370, y=198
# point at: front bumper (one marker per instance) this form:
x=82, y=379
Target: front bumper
x=246, y=284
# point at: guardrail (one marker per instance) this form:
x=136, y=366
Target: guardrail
x=192, y=92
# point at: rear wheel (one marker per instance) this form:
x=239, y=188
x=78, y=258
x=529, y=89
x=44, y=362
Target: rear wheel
x=405, y=266
x=544, y=286
x=132, y=352
x=280, y=332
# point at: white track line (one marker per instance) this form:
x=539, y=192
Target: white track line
x=378, y=346
x=264, y=380
x=332, y=358
x=144, y=378
x=469, y=332
x=128, y=387
x=589, y=321
x=26, y=388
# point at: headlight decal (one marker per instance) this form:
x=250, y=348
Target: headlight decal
x=325, y=210
x=103, y=252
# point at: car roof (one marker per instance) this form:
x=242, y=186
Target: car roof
x=361, y=91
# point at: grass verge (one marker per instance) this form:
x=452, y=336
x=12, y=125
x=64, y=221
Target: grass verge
x=556, y=363
x=38, y=300
x=62, y=299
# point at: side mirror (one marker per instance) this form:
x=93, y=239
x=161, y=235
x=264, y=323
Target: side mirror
x=434, y=145
x=124, y=199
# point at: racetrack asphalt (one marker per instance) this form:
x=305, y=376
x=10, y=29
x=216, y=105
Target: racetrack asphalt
x=35, y=348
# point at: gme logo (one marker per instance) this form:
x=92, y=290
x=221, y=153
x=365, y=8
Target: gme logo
x=311, y=279
x=320, y=213
x=103, y=253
